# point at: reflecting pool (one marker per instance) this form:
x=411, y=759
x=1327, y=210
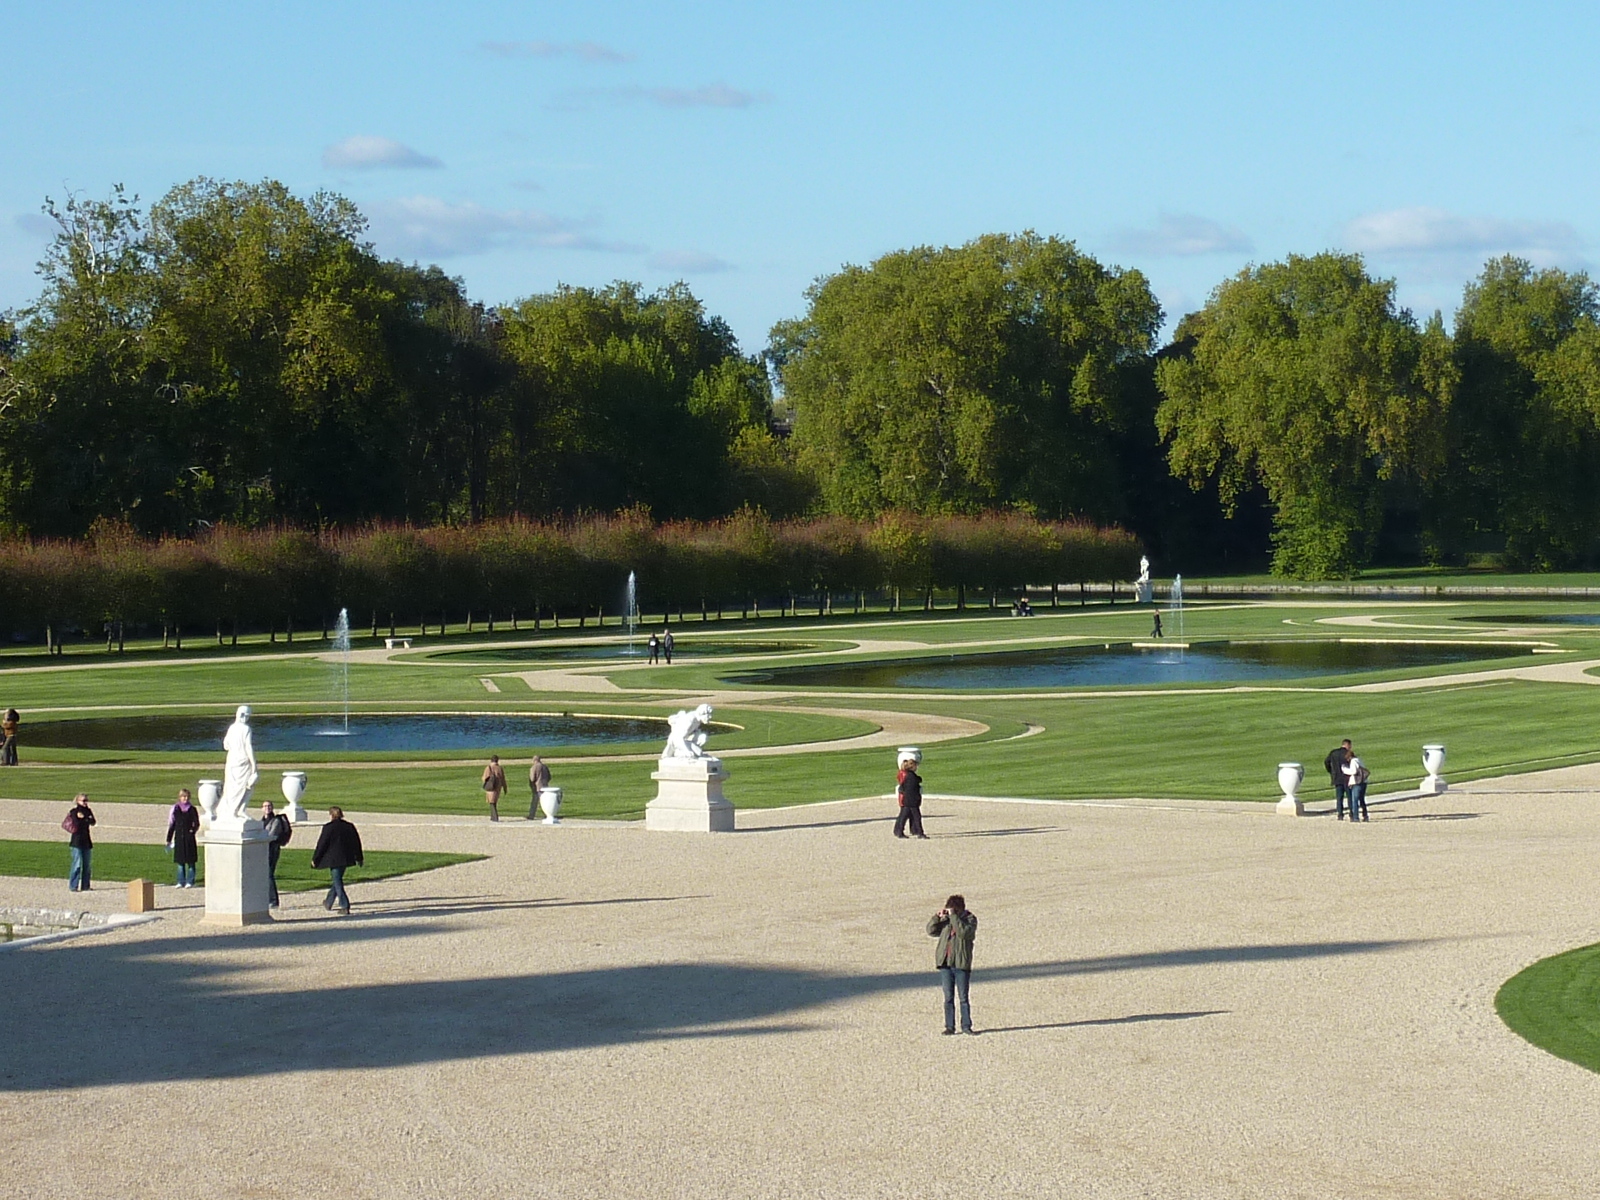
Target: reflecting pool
x=683, y=647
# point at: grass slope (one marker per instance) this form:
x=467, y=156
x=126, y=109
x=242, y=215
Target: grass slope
x=118, y=862
x=1555, y=1004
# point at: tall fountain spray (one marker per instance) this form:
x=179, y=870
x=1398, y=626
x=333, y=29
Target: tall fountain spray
x=1175, y=609
x=630, y=610
x=341, y=646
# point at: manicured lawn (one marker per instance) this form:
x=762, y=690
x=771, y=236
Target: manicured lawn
x=1555, y=1004
x=118, y=862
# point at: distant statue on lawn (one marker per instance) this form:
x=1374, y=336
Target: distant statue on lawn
x=1144, y=570
x=686, y=736
x=239, y=775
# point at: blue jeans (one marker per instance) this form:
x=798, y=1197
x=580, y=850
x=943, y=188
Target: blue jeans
x=186, y=874
x=1358, y=802
x=336, y=890
x=955, y=979
x=273, y=850
x=1340, y=791
x=78, y=878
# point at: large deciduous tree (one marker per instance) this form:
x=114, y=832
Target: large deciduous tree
x=1304, y=377
x=949, y=380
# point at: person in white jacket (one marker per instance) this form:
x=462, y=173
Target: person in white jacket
x=1356, y=775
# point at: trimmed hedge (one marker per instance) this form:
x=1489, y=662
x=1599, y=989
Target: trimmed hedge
x=398, y=575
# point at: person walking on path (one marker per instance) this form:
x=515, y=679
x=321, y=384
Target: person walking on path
x=1156, y=629
x=655, y=648
x=667, y=644
x=77, y=824
x=338, y=849
x=1357, y=774
x=1334, y=766
x=183, y=827
x=538, y=780
x=280, y=831
x=909, y=793
x=494, y=784
x=956, y=928
x=8, y=731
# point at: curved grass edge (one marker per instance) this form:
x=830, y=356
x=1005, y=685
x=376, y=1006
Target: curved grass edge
x=1555, y=1005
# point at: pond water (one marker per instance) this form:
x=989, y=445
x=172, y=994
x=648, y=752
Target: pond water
x=421, y=731
x=1536, y=619
x=683, y=648
x=1124, y=665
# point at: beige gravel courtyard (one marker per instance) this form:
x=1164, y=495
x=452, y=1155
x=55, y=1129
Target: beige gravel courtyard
x=1175, y=999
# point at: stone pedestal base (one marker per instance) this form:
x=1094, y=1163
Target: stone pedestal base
x=1432, y=785
x=236, y=874
x=689, y=797
x=1290, y=806
x=1144, y=593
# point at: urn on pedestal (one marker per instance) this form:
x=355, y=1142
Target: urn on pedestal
x=1433, y=763
x=294, y=786
x=1289, y=776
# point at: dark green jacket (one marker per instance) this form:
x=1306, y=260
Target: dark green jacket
x=955, y=932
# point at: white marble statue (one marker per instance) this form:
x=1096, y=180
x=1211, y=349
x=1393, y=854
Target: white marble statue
x=686, y=733
x=239, y=775
x=1144, y=570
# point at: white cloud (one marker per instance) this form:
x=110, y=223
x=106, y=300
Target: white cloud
x=690, y=262
x=365, y=153
x=1421, y=232
x=36, y=224
x=1183, y=235
x=429, y=227
x=712, y=95
x=588, y=51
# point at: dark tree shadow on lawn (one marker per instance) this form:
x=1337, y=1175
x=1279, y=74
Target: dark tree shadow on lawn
x=102, y=1012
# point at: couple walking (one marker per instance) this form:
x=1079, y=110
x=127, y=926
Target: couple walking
x=495, y=785
x=1349, y=776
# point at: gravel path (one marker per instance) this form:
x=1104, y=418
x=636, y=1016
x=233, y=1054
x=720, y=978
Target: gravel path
x=1176, y=999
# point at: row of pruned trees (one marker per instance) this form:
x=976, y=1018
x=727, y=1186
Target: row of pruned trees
x=520, y=571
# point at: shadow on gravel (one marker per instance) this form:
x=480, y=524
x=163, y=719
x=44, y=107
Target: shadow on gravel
x=98, y=1012
x=1135, y=1019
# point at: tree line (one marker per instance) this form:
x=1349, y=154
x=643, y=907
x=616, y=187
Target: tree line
x=240, y=355
x=515, y=571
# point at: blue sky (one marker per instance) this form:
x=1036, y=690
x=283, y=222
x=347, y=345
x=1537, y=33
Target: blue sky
x=749, y=148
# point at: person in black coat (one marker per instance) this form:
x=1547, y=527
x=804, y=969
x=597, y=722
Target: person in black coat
x=183, y=824
x=279, y=831
x=77, y=824
x=1334, y=765
x=338, y=848
x=910, y=793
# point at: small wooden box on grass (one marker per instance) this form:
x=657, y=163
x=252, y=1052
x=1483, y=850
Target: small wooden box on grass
x=141, y=896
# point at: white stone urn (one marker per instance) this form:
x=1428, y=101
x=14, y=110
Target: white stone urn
x=294, y=786
x=908, y=754
x=1289, y=776
x=550, y=804
x=1433, y=763
x=210, y=797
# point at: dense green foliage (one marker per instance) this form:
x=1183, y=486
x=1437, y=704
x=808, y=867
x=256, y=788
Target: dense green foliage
x=273, y=578
x=954, y=380
x=1555, y=1004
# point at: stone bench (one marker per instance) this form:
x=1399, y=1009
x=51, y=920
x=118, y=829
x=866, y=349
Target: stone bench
x=402, y=643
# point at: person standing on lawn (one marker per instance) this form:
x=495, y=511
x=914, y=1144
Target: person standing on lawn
x=538, y=780
x=77, y=824
x=280, y=831
x=8, y=731
x=667, y=644
x=338, y=849
x=183, y=828
x=494, y=785
x=956, y=928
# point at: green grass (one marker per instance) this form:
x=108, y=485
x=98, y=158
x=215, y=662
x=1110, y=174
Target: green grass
x=1204, y=742
x=118, y=862
x=1555, y=1004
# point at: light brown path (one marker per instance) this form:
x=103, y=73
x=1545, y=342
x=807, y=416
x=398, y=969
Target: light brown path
x=1179, y=1000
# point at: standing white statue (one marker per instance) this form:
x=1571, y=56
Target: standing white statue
x=239, y=775
x=1144, y=570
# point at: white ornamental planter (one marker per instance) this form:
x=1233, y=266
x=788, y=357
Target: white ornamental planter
x=1289, y=776
x=210, y=797
x=550, y=804
x=1433, y=763
x=294, y=786
x=907, y=754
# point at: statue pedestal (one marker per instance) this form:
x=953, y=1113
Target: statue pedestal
x=1143, y=592
x=689, y=797
x=236, y=873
